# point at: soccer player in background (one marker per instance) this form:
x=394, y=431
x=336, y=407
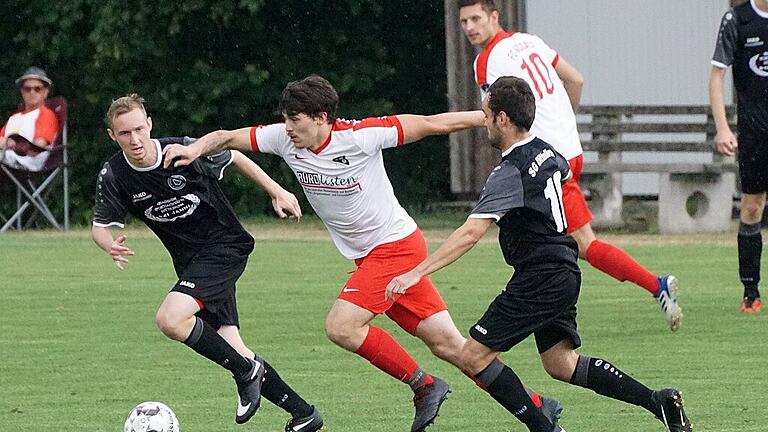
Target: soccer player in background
x=187, y=210
x=339, y=164
x=741, y=44
x=557, y=87
x=523, y=196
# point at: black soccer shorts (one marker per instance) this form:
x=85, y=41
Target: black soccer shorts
x=753, y=161
x=542, y=303
x=210, y=278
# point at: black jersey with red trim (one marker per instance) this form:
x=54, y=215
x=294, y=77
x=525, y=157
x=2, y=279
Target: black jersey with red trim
x=742, y=43
x=184, y=206
x=523, y=194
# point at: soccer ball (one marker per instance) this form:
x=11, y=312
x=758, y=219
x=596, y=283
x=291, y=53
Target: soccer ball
x=151, y=417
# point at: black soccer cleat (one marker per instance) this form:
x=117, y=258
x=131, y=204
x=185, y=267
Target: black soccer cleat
x=310, y=423
x=551, y=409
x=427, y=401
x=670, y=410
x=249, y=392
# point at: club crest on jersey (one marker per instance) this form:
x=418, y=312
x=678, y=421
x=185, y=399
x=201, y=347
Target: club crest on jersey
x=759, y=64
x=341, y=160
x=177, y=182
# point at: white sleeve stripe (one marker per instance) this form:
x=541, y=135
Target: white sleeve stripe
x=484, y=216
x=101, y=225
x=720, y=65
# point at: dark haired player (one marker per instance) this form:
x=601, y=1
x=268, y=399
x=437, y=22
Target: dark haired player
x=187, y=210
x=523, y=195
x=339, y=163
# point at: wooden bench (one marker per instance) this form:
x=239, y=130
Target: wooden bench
x=693, y=196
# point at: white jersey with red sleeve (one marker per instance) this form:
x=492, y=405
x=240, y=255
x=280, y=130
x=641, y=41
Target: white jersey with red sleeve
x=526, y=56
x=345, y=181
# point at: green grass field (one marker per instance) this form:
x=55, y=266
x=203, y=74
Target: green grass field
x=78, y=345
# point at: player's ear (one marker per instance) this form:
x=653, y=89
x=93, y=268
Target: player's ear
x=111, y=135
x=149, y=122
x=322, y=117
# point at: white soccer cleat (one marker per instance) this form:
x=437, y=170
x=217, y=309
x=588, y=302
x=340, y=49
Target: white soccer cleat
x=667, y=298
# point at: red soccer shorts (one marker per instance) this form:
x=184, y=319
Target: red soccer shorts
x=577, y=212
x=366, y=286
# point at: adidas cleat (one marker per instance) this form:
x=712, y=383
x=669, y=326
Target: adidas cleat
x=427, y=401
x=249, y=392
x=667, y=298
x=670, y=410
x=310, y=423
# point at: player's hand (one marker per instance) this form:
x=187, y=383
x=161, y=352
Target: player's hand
x=286, y=205
x=726, y=142
x=399, y=285
x=176, y=155
x=119, y=252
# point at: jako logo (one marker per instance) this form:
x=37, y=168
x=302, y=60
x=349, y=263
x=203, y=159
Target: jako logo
x=187, y=284
x=481, y=330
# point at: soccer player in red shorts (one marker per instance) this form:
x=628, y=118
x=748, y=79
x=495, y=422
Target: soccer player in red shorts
x=339, y=164
x=557, y=88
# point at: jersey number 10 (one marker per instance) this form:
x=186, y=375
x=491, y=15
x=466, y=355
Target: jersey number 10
x=554, y=193
x=536, y=61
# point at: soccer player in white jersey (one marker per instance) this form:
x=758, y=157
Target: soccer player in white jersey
x=340, y=165
x=556, y=84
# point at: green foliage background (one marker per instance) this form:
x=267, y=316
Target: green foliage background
x=207, y=64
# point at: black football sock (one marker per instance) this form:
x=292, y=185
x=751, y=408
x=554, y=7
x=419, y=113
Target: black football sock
x=281, y=394
x=750, y=250
x=209, y=344
x=606, y=379
x=505, y=387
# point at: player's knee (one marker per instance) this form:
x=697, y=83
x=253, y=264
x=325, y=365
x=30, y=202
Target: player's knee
x=336, y=332
x=559, y=370
x=167, y=324
x=751, y=213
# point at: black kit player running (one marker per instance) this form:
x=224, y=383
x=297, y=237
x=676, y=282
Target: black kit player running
x=186, y=208
x=523, y=196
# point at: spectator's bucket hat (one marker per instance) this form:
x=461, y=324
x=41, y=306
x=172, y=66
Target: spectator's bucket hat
x=34, y=73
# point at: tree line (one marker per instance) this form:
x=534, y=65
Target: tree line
x=204, y=65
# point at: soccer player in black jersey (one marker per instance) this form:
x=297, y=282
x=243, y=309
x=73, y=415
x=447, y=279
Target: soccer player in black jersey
x=523, y=196
x=742, y=42
x=187, y=210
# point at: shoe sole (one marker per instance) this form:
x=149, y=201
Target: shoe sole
x=437, y=413
x=676, y=319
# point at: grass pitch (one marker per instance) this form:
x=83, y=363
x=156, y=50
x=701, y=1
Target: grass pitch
x=78, y=346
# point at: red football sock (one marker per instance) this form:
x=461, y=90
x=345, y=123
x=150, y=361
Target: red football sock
x=385, y=353
x=618, y=264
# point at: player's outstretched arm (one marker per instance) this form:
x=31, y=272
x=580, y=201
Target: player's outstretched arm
x=459, y=243
x=214, y=142
x=572, y=80
x=115, y=248
x=416, y=127
x=725, y=139
x=284, y=202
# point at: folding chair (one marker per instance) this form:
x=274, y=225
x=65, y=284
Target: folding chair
x=34, y=188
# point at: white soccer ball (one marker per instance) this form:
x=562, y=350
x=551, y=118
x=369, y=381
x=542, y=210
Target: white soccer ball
x=151, y=417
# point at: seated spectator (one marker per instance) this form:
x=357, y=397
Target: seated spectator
x=28, y=133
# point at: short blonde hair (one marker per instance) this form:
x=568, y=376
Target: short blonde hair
x=123, y=105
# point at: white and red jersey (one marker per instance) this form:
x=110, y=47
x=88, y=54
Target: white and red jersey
x=345, y=180
x=526, y=56
x=37, y=123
